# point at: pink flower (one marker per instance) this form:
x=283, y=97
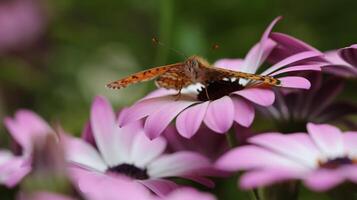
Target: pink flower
x=294, y=109
x=188, y=194
x=127, y=151
x=21, y=22
x=229, y=100
x=341, y=62
x=322, y=159
x=24, y=127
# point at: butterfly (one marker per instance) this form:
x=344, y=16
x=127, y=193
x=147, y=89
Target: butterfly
x=193, y=70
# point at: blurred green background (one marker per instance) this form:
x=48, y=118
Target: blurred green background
x=81, y=45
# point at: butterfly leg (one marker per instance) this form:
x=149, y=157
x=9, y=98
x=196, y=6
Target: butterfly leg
x=178, y=95
x=207, y=93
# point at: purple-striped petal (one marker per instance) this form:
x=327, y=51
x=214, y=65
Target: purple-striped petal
x=315, y=67
x=295, y=82
x=243, y=111
x=260, y=96
x=189, y=121
x=349, y=54
x=216, y=110
x=291, y=59
x=159, y=120
x=161, y=187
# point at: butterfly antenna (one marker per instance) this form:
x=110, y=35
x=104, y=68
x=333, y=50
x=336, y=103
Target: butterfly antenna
x=155, y=41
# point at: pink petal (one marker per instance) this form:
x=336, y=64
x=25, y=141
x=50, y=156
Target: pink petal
x=159, y=120
x=231, y=64
x=106, y=131
x=144, y=108
x=251, y=157
x=177, y=164
x=82, y=153
x=261, y=178
x=295, y=82
x=43, y=196
x=188, y=122
x=291, y=59
x=298, y=146
x=244, y=112
x=161, y=187
x=327, y=138
x=259, y=52
x=25, y=126
x=350, y=143
x=145, y=150
x=291, y=42
x=323, y=179
x=315, y=67
x=116, y=187
x=199, y=179
x=5, y=156
x=189, y=194
x=260, y=96
x=216, y=110
x=13, y=171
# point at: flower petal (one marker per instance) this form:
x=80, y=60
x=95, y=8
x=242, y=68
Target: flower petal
x=177, y=164
x=143, y=108
x=296, y=146
x=295, y=82
x=82, y=153
x=106, y=131
x=349, y=54
x=260, y=96
x=161, y=187
x=145, y=150
x=244, y=111
x=327, y=138
x=216, y=109
x=323, y=179
x=13, y=171
x=189, y=194
x=315, y=67
x=291, y=59
x=261, y=178
x=189, y=121
x=350, y=143
x=252, y=157
x=159, y=120
x=231, y=64
x=25, y=126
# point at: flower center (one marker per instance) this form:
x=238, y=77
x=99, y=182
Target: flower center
x=337, y=162
x=218, y=89
x=130, y=170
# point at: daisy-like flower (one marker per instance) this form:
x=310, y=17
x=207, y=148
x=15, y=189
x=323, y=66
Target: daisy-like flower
x=23, y=128
x=292, y=110
x=127, y=151
x=341, y=62
x=229, y=100
x=322, y=159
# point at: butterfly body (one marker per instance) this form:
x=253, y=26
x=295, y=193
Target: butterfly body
x=180, y=75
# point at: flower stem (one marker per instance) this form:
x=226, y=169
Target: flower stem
x=231, y=138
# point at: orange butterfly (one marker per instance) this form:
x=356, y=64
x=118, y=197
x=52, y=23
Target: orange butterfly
x=194, y=70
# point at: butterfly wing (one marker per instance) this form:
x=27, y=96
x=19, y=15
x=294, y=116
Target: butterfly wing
x=215, y=73
x=141, y=76
x=174, y=78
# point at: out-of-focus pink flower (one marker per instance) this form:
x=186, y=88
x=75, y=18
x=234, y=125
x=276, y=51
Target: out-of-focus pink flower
x=322, y=159
x=229, y=100
x=341, y=62
x=21, y=22
x=317, y=105
x=127, y=151
x=188, y=194
x=24, y=128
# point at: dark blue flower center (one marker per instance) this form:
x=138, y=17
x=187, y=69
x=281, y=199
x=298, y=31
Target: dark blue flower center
x=217, y=89
x=130, y=170
x=336, y=162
